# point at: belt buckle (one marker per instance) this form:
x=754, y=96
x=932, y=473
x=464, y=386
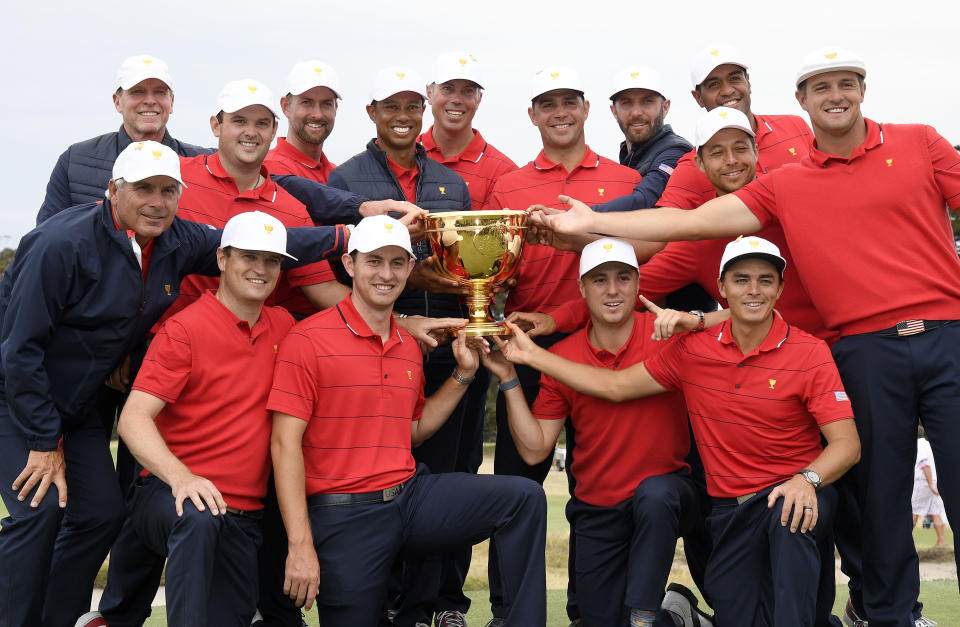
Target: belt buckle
x=391, y=493
x=744, y=498
x=910, y=327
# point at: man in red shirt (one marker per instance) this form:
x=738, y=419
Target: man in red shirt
x=203, y=437
x=634, y=495
x=760, y=393
x=347, y=456
x=895, y=350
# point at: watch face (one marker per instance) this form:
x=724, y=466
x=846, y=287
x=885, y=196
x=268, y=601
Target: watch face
x=812, y=477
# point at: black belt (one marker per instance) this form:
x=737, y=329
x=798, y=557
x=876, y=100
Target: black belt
x=379, y=496
x=255, y=514
x=733, y=501
x=912, y=327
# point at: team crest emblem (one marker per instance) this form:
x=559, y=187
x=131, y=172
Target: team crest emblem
x=754, y=243
x=410, y=375
x=139, y=146
x=462, y=61
x=157, y=154
x=400, y=74
x=318, y=70
x=889, y=163
x=554, y=75
x=389, y=227
x=634, y=74
x=443, y=191
x=166, y=287
x=147, y=61
x=772, y=382
x=252, y=88
x=723, y=115
x=268, y=228
x=714, y=53
x=275, y=348
x=600, y=190
x=608, y=247
x=831, y=55
x=793, y=151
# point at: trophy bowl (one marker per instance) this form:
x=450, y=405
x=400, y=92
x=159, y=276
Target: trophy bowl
x=479, y=250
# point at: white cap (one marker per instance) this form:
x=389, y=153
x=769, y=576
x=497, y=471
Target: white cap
x=607, y=249
x=637, y=77
x=719, y=118
x=309, y=74
x=830, y=60
x=396, y=79
x=555, y=77
x=708, y=59
x=375, y=232
x=236, y=95
x=454, y=65
x=256, y=230
x=750, y=247
x=141, y=160
x=140, y=68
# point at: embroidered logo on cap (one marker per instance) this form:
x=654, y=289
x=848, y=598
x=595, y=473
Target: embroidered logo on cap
x=554, y=75
x=252, y=88
x=147, y=61
x=139, y=146
x=400, y=74
x=318, y=70
x=831, y=55
x=773, y=382
x=462, y=61
x=389, y=227
x=268, y=228
x=722, y=115
x=714, y=52
x=634, y=74
x=157, y=154
x=754, y=243
x=608, y=247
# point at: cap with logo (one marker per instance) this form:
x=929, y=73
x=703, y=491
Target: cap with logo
x=637, y=77
x=606, y=249
x=457, y=64
x=751, y=248
x=375, y=232
x=139, y=68
x=719, y=118
x=396, y=79
x=830, y=60
x=708, y=59
x=236, y=95
x=555, y=77
x=141, y=160
x=309, y=74
x=256, y=230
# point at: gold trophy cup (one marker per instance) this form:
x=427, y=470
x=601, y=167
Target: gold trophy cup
x=478, y=249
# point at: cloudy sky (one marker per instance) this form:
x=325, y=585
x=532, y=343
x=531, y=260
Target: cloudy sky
x=60, y=60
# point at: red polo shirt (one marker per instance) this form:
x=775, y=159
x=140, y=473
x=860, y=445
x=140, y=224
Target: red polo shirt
x=781, y=139
x=212, y=198
x=214, y=372
x=358, y=396
x=756, y=417
x=618, y=444
x=480, y=165
x=683, y=263
x=547, y=276
x=870, y=233
x=407, y=177
x=285, y=159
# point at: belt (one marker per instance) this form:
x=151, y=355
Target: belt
x=911, y=327
x=255, y=514
x=378, y=496
x=731, y=501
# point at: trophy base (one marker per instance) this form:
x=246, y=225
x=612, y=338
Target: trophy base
x=486, y=329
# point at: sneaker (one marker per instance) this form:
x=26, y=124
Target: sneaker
x=449, y=618
x=680, y=601
x=576, y=622
x=923, y=621
x=91, y=619
x=851, y=618
x=496, y=622
x=421, y=625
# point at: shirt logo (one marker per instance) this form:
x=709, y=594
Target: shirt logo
x=410, y=375
x=275, y=348
x=772, y=382
x=831, y=55
x=252, y=88
x=600, y=190
x=468, y=183
x=840, y=395
x=443, y=191
x=889, y=163
x=268, y=228
x=166, y=287
x=793, y=151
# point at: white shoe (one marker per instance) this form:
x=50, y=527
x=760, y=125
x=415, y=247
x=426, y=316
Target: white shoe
x=923, y=621
x=91, y=619
x=679, y=600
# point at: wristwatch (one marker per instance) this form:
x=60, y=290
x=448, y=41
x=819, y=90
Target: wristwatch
x=812, y=476
x=459, y=378
x=700, y=319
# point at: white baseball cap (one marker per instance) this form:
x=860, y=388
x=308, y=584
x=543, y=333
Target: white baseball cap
x=256, y=230
x=140, y=68
x=141, y=160
x=555, y=77
x=607, y=249
x=709, y=58
x=751, y=247
x=396, y=79
x=637, y=77
x=719, y=118
x=457, y=64
x=309, y=74
x=375, y=232
x=236, y=95
x=830, y=60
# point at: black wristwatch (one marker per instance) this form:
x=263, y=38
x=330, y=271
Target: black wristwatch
x=700, y=319
x=812, y=476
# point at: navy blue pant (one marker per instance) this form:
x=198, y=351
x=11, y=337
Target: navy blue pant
x=624, y=553
x=891, y=381
x=211, y=560
x=357, y=544
x=759, y=573
x=276, y=608
x=50, y=557
x=435, y=583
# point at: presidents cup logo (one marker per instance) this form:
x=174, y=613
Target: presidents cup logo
x=156, y=155
x=252, y=88
x=147, y=62
x=772, y=382
x=268, y=228
x=831, y=55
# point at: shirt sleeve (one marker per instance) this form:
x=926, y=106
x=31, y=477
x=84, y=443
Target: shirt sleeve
x=670, y=269
x=759, y=197
x=648, y=191
x=310, y=274
x=688, y=187
x=946, y=167
x=551, y=402
x=825, y=397
x=571, y=315
x=168, y=363
x=325, y=203
x=666, y=366
x=295, y=388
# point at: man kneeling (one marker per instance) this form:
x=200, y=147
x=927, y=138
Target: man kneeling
x=347, y=400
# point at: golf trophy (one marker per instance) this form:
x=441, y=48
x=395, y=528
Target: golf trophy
x=480, y=250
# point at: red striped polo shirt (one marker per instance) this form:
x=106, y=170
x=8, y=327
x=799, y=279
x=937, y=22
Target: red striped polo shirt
x=285, y=159
x=480, y=165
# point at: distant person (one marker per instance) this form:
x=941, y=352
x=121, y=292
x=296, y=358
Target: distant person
x=926, y=497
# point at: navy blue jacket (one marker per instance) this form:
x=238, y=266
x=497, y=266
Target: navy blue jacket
x=84, y=169
x=438, y=189
x=655, y=160
x=74, y=303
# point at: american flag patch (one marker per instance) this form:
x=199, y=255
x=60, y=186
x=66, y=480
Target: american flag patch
x=665, y=168
x=840, y=396
x=910, y=327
